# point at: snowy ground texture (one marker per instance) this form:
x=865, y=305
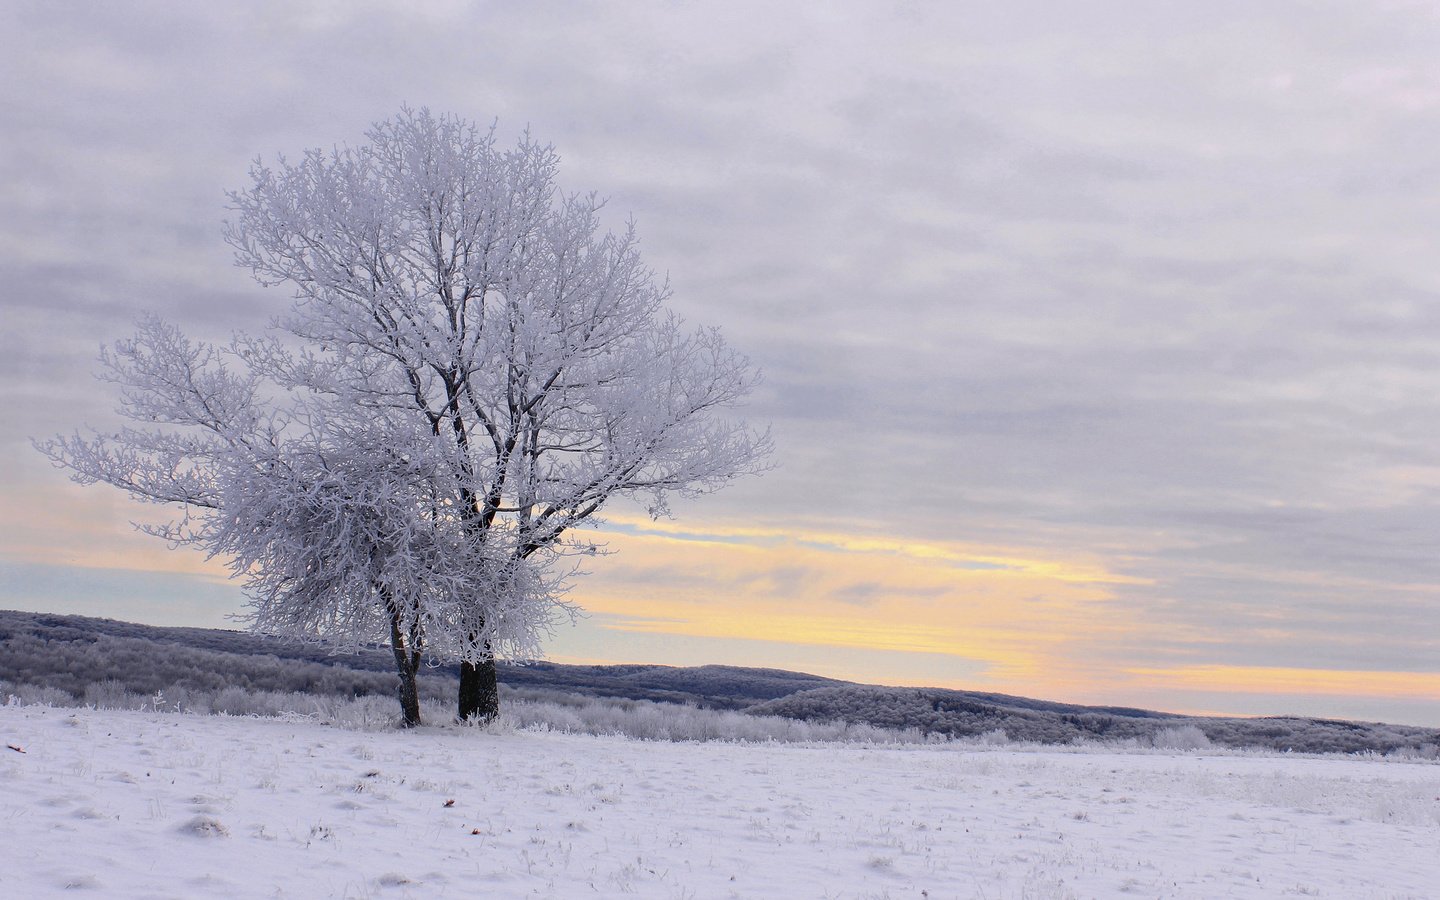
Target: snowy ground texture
x=135, y=804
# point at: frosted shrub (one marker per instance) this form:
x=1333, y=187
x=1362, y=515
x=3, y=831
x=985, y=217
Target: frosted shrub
x=1423, y=751
x=30, y=695
x=545, y=716
x=364, y=713
x=177, y=698
x=111, y=694
x=1180, y=737
x=235, y=701
x=646, y=720
x=995, y=737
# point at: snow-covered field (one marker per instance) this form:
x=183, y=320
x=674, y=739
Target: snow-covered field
x=134, y=804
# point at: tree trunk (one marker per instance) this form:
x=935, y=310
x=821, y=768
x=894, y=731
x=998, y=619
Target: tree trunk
x=479, y=691
x=407, y=663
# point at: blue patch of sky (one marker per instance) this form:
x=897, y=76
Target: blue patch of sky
x=156, y=598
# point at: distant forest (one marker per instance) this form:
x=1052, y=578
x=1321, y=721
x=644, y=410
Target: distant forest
x=71, y=660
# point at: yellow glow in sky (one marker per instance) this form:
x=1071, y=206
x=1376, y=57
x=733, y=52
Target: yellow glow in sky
x=1013, y=612
x=1279, y=680
x=1014, y=620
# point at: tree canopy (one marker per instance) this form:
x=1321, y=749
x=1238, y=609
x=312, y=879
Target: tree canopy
x=471, y=369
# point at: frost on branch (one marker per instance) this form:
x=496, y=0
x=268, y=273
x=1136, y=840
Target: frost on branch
x=472, y=369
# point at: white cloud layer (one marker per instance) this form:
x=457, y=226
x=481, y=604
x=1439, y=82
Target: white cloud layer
x=1153, y=282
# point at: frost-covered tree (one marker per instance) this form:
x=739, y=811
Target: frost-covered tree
x=471, y=370
x=336, y=518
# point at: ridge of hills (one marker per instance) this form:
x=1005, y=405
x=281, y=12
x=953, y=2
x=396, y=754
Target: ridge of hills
x=69, y=654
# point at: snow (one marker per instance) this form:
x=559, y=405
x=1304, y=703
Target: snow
x=137, y=804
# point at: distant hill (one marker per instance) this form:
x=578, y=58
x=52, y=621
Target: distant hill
x=970, y=714
x=71, y=654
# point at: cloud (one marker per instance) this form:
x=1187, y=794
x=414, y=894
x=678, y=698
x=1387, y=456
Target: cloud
x=1145, y=296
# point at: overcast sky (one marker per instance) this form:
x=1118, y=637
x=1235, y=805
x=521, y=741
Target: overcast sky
x=1101, y=341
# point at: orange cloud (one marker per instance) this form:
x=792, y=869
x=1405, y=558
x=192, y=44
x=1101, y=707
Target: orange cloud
x=71, y=525
x=1279, y=680
x=1013, y=612
x=1081, y=571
